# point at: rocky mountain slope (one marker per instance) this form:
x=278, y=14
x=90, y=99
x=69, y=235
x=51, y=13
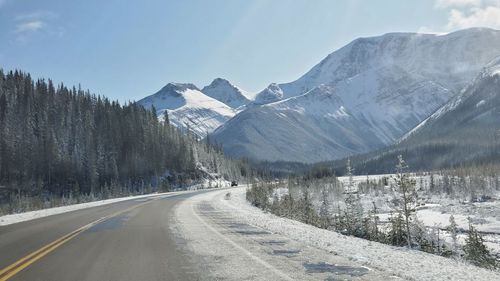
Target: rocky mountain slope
x=296, y=129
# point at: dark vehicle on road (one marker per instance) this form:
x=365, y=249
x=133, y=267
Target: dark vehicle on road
x=234, y=183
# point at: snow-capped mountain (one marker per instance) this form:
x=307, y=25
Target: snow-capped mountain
x=453, y=59
x=385, y=85
x=187, y=106
x=225, y=92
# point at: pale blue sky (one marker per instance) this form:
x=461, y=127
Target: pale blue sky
x=129, y=49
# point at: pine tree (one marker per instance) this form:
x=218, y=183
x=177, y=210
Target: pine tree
x=408, y=195
x=166, y=119
x=432, y=185
x=354, y=208
x=396, y=235
x=375, y=234
x=452, y=229
x=308, y=214
x=324, y=212
x=475, y=250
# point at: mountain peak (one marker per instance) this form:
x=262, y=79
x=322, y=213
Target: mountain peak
x=219, y=81
x=272, y=93
x=171, y=96
x=227, y=93
x=179, y=87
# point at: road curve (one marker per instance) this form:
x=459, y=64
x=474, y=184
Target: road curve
x=182, y=236
x=129, y=240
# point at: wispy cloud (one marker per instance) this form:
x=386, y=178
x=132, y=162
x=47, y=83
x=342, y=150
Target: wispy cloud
x=470, y=13
x=485, y=17
x=28, y=24
x=36, y=15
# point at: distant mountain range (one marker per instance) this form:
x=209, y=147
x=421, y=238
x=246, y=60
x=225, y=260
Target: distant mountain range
x=362, y=97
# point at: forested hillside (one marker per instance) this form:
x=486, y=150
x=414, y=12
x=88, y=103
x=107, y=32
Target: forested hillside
x=464, y=132
x=62, y=142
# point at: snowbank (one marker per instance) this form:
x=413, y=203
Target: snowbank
x=20, y=217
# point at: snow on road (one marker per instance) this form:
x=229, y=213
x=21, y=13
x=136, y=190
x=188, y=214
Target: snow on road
x=236, y=241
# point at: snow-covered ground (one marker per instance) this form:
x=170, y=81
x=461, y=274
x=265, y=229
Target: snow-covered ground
x=485, y=217
x=237, y=240
x=435, y=211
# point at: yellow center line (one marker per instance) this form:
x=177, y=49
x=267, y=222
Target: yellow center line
x=24, y=262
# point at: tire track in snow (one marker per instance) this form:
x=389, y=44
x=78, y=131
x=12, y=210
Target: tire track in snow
x=239, y=247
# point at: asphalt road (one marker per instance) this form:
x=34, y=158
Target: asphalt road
x=179, y=237
x=129, y=240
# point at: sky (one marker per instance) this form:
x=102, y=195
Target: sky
x=127, y=50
